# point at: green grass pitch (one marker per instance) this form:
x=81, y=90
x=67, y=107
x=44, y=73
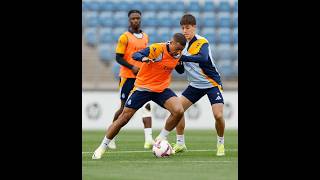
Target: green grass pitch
x=131, y=162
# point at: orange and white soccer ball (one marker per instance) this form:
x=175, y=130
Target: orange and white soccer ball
x=162, y=148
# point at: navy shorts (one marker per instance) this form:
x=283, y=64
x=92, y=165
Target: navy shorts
x=126, y=85
x=194, y=94
x=139, y=98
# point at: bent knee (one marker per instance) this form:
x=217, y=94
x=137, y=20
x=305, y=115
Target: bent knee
x=178, y=111
x=218, y=116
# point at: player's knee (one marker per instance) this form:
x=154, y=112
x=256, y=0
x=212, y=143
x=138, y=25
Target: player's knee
x=218, y=116
x=178, y=111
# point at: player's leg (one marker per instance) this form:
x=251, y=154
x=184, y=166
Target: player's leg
x=147, y=122
x=126, y=85
x=180, y=146
x=217, y=104
x=169, y=100
x=135, y=102
x=112, y=144
x=113, y=130
x=189, y=96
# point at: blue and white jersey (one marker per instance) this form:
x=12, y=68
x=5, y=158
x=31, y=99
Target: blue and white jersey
x=199, y=64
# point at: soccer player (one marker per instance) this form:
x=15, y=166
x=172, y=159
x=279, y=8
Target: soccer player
x=129, y=42
x=204, y=79
x=151, y=83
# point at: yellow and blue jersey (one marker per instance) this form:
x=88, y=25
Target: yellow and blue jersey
x=199, y=64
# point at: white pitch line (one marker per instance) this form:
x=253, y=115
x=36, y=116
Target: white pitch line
x=195, y=150
x=179, y=161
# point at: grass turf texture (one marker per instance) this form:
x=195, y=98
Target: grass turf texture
x=131, y=162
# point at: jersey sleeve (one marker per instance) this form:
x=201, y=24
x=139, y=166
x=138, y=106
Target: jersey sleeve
x=156, y=52
x=122, y=44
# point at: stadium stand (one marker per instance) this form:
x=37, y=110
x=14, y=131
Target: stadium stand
x=105, y=20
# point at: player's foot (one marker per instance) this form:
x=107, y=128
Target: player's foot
x=160, y=138
x=179, y=148
x=148, y=144
x=98, y=153
x=112, y=144
x=220, y=150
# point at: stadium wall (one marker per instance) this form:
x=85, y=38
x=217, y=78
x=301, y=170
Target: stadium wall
x=98, y=108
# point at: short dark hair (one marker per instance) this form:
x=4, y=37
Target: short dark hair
x=178, y=37
x=188, y=19
x=133, y=11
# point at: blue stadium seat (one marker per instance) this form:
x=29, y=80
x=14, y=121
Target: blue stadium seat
x=224, y=36
x=149, y=30
x=165, y=6
x=235, y=36
x=209, y=22
x=235, y=20
x=90, y=35
x=121, y=14
x=85, y=5
x=106, y=19
x=107, y=6
x=115, y=70
x=193, y=6
x=235, y=7
x=224, y=20
x=209, y=34
x=163, y=34
x=225, y=53
x=227, y=71
x=177, y=6
x=106, y=53
x=93, y=6
x=91, y=19
x=106, y=36
x=209, y=6
x=175, y=30
x=137, y=5
x=175, y=18
x=122, y=5
x=121, y=22
x=164, y=19
x=224, y=6
x=153, y=37
x=149, y=19
x=116, y=33
x=150, y=5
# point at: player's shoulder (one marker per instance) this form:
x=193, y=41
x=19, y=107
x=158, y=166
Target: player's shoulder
x=157, y=47
x=201, y=39
x=123, y=36
x=156, y=50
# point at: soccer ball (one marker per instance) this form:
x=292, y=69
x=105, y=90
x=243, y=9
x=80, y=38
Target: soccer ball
x=162, y=148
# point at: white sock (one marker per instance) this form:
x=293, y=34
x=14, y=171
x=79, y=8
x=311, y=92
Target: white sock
x=164, y=133
x=220, y=140
x=180, y=139
x=105, y=142
x=147, y=134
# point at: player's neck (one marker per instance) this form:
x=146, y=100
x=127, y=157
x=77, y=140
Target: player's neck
x=189, y=39
x=136, y=30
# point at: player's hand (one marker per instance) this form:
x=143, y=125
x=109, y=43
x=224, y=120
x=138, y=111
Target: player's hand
x=147, y=60
x=135, y=70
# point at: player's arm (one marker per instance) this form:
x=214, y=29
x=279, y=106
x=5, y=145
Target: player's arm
x=179, y=68
x=152, y=53
x=120, y=50
x=201, y=57
x=144, y=53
